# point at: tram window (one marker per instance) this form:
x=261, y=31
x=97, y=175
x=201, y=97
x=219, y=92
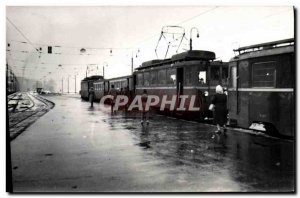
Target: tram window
x=215, y=75
x=106, y=86
x=224, y=75
x=202, y=77
x=153, y=77
x=264, y=74
x=146, y=79
x=188, y=76
x=162, y=76
x=171, y=76
x=140, y=79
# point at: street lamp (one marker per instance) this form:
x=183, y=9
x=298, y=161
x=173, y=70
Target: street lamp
x=62, y=85
x=136, y=55
x=193, y=28
x=104, y=65
x=68, y=84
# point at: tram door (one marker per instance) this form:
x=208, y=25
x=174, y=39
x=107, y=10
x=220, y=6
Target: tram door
x=179, y=81
x=106, y=87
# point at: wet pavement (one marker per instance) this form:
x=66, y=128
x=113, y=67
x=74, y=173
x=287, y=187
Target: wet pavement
x=77, y=148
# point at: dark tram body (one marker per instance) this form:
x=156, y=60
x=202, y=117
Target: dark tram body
x=191, y=73
x=262, y=87
x=86, y=84
x=124, y=85
x=188, y=73
x=260, y=82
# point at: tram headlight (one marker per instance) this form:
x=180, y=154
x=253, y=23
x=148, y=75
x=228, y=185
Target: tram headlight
x=206, y=93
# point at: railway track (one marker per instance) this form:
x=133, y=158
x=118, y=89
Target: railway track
x=29, y=108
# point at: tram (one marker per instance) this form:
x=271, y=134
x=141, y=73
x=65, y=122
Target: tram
x=87, y=83
x=189, y=73
x=261, y=92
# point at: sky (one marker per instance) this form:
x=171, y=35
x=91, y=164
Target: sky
x=113, y=35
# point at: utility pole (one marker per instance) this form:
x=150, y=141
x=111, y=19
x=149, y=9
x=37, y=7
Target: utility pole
x=75, y=83
x=136, y=55
x=62, y=85
x=132, y=63
x=103, y=71
x=68, y=83
x=104, y=65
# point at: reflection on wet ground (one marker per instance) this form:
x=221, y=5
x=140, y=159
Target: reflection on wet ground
x=257, y=163
x=88, y=149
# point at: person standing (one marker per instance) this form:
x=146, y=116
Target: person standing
x=114, y=93
x=219, y=100
x=91, y=95
x=145, y=112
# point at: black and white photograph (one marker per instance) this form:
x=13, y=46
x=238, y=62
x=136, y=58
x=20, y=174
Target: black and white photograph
x=150, y=98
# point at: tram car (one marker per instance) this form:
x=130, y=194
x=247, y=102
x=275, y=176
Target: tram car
x=87, y=83
x=189, y=73
x=124, y=85
x=261, y=93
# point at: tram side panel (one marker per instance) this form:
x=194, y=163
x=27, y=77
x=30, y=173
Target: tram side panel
x=194, y=79
x=260, y=98
x=238, y=102
x=275, y=105
x=84, y=90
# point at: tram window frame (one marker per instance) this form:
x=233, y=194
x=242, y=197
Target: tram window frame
x=153, y=77
x=146, y=78
x=224, y=78
x=203, y=77
x=169, y=73
x=216, y=79
x=162, y=74
x=106, y=87
x=188, y=75
x=140, y=79
x=261, y=68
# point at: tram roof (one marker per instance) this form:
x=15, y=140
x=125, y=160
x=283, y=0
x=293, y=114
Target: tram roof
x=263, y=46
x=184, y=56
x=265, y=49
x=95, y=77
x=119, y=78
